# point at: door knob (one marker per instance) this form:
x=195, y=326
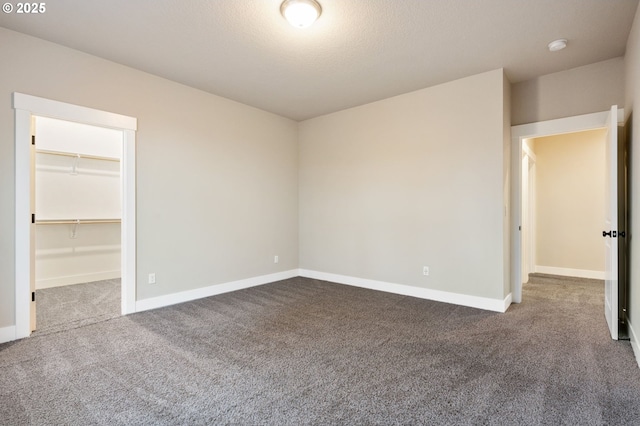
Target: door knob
x=612, y=234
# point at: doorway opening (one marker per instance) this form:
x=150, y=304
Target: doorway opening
x=563, y=205
x=28, y=110
x=77, y=216
x=528, y=227
x=605, y=120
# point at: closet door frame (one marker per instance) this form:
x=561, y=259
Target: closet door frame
x=27, y=106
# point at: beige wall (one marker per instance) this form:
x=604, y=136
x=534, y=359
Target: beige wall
x=411, y=181
x=570, y=200
x=632, y=99
x=583, y=90
x=216, y=180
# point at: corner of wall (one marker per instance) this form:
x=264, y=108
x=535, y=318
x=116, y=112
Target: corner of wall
x=506, y=161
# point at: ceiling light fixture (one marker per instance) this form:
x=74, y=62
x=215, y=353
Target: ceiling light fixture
x=300, y=13
x=556, y=45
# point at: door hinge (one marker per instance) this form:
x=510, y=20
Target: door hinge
x=33, y=139
x=33, y=296
x=33, y=218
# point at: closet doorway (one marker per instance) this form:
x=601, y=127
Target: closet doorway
x=77, y=216
x=28, y=110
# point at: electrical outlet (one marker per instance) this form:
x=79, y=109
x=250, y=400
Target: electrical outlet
x=425, y=270
x=152, y=278
x=275, y=259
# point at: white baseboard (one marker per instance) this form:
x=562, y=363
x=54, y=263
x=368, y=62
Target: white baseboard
x=507, y=302
x=212, y=290
x=496, y=305
x=568, y=272
x=76, y=279
x=7, y=334
x=635, y=343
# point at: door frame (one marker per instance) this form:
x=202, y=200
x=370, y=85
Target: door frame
x=528, y=212
x=27, y=106
x=573, y=124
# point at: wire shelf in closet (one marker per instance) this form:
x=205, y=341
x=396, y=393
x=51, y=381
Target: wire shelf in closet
x=75, y=221
x=69, y=154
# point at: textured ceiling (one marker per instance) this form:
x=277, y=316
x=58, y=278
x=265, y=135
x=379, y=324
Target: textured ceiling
x=357, y=52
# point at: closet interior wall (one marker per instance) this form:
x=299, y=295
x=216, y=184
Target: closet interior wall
x=77, y=203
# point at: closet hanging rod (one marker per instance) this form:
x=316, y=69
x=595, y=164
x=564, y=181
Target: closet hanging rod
x=69, y=154
x=75, y=221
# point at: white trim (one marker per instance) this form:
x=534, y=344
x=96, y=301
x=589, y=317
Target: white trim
x=496, y=305
x=635, y=342
x=128, y=226
x=578, y=123
x=568, y=272
x=7, y=334
x=70, y=112
x=527, y=151
x=22, y=224
x=76, y=279
x=25, y=106
x=506, y=302
x=212, y=290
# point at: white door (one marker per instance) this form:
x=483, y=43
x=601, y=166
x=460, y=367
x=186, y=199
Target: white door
x=611, y=225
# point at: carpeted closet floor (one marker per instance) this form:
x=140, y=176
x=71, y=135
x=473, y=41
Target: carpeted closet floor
x=72, y=306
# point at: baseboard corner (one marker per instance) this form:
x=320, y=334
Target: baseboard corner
x=485, y=303
x=507, y=302
x=212, y=290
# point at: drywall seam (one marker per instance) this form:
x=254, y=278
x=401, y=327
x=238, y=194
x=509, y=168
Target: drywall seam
x=568, y=272
x=212, y=290
x=496, y=305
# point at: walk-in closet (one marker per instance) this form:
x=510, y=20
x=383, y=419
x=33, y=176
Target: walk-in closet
x=78, y=215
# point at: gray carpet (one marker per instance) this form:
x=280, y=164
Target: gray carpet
x=303, y=351
x=63, y=308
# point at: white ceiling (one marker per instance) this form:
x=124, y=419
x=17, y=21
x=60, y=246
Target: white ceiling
x=358, y=51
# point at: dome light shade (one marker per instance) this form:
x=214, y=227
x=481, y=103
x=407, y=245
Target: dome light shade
x=300, y=13
x=556, y=45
